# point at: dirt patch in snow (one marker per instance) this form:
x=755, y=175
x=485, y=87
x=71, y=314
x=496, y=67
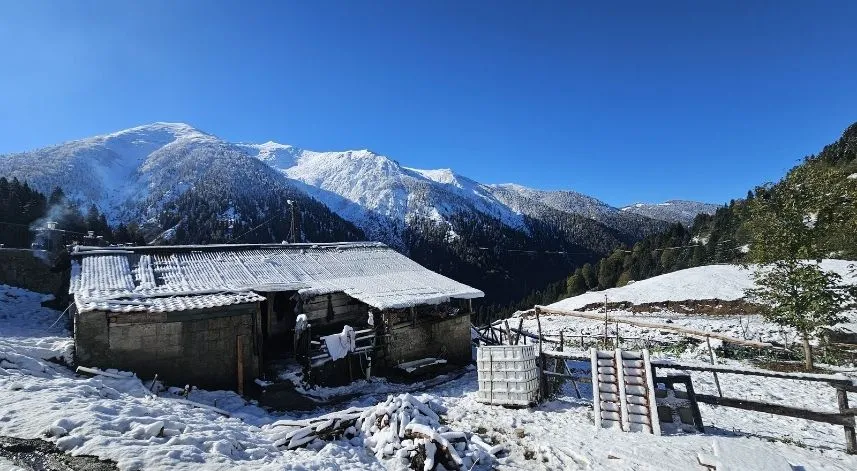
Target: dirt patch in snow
x=706, y=307
x=40, y=455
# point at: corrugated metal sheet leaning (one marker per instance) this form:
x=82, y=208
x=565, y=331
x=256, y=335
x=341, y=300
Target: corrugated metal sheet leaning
x=165, y=278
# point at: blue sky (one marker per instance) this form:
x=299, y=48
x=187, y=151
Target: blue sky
x=638, y=101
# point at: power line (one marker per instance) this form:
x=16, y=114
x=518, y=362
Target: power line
x=253, y=228
x=29, y=226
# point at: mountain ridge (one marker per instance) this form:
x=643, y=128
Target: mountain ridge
x=184, y=185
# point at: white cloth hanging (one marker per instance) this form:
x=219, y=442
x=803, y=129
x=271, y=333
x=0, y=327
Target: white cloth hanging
x=301, y=323
x=339, y=345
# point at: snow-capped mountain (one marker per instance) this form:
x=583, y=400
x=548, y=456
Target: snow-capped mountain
x=144, y=174
x=672, y=211
x=182, y=185
x=132, y=174
x=382, y=197
x=108, y=170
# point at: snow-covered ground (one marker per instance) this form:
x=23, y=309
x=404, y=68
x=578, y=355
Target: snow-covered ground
x=725, y=282
x=118, y=419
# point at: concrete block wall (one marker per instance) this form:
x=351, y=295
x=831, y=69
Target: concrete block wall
x=197, y=348
x=447, y=338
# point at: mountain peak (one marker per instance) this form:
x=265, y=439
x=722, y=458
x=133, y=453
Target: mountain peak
x=160, y=127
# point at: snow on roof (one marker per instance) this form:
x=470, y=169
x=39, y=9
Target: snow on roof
x=170, y=303
x=725, y=282
x=370, y=272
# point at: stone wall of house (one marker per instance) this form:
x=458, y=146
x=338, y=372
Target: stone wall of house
x=447, y=338
x=192, y=347
x=33, y=270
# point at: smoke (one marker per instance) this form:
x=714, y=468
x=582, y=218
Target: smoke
x=54, y=213
x=43, y=237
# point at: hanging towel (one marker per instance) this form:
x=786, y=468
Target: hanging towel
x=339, y=345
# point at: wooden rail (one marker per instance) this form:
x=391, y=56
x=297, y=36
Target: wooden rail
x=843, y=385
x=845, y=417
x=652, y=325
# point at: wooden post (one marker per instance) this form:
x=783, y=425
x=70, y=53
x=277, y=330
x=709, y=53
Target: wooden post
x=711, y=354
x=239, y=350
x=617, y=335
x=605, y=321
x=561, y=341
x=509, y=333
x=413, y=317
x=850, y=436
x=521, y=329
x=541, y=357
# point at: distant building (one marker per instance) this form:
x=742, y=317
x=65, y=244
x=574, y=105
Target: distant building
x=223, y=315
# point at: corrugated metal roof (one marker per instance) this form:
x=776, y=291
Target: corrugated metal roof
x=169, y=303
x=371, y=272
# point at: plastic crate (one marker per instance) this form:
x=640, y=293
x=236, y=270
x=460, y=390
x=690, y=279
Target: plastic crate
x=523, y=397
x=507, y=375
x=506, y=352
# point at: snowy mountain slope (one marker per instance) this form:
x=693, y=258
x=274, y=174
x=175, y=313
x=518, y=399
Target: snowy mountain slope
x=725, y=282
x=534, y=203
x=143, y=175
x=383, y=188
x=680, y=211
x=381, y=196
x=133, y=175
x=105, y=170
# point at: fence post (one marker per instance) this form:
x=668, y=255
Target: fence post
x=850, y=437
x=541, y=356
x=711, y=354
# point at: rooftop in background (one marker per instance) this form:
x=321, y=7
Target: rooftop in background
x=125, y=279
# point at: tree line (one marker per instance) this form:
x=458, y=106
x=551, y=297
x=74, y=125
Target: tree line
x=23, y=210
x=811, y=214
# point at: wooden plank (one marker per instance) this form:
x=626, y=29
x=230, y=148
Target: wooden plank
x=320, y=302
x=839, y=381
x=321, y=315
x=834, y=418
x=651, y=325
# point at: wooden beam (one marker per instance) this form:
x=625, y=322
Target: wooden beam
x=834, y=418
x=239, y=350
x=651, y=325
x=838, y=381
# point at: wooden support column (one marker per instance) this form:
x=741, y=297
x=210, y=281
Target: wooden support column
x=239, y=352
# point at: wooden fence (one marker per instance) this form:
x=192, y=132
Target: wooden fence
x=844, y=416
x=501, y=332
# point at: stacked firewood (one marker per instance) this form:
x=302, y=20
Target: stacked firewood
x=404, y=429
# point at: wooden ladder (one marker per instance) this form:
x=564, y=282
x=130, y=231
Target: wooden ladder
x=623, y=391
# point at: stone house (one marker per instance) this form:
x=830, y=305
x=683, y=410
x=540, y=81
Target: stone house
x=220, y=316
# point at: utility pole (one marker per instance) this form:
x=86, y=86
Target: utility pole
x=293, y=235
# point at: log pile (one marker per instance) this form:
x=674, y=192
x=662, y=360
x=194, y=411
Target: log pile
x=404, y=429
